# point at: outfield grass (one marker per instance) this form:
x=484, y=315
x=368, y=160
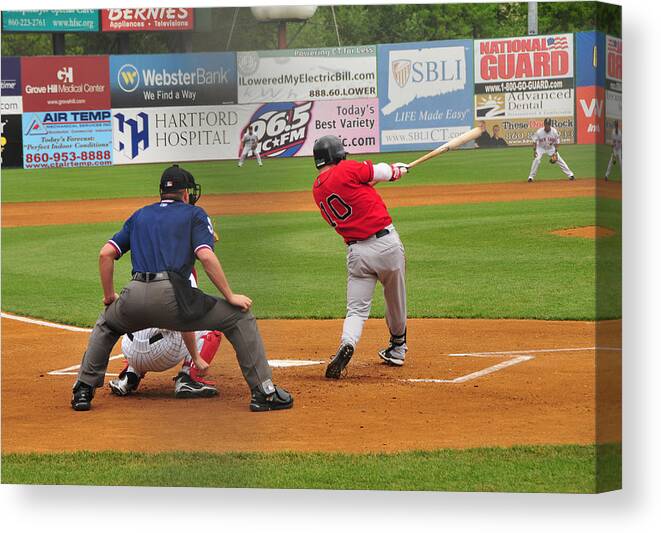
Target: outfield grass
x=518, y=469
x=490, y=260
x=292, y=174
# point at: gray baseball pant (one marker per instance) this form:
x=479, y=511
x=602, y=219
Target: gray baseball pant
x=153, y=305
x=538, y=159
x=370, y=261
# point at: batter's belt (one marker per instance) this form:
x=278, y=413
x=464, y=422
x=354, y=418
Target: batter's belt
x=381, y=233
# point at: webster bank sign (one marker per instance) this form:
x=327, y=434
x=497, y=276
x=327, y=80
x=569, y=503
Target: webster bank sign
x=173, y=79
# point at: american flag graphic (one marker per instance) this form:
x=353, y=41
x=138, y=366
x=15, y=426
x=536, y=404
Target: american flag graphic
x=557, y=43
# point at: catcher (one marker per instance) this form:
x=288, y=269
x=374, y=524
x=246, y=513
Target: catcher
x=546, y=141
x=249, y=142
x=157, y=350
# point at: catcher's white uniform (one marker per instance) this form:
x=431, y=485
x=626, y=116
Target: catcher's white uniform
x=250, y=145
x=156, y=350
x=616, y=142
x=546, y=142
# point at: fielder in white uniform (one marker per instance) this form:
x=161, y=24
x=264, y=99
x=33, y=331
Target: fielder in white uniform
x=616, y=156
x=250, y=145
x=546, y=141
x=157, y=350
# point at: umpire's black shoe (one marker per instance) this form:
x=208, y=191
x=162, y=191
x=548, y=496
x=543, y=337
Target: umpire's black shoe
x=339, y=362
x=274, y=400
x=186, y=387
x=82, y=396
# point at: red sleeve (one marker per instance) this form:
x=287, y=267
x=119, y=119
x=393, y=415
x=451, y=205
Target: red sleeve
x=361, y=171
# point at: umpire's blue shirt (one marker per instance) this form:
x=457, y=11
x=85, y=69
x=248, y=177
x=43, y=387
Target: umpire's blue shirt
x=165, y=236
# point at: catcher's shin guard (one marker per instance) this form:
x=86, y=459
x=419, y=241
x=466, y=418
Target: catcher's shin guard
x=208, y=352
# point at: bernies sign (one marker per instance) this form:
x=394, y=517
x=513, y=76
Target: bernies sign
x=65, y=83
x=147, y=19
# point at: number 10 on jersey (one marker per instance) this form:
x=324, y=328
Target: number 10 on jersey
x=339, y=209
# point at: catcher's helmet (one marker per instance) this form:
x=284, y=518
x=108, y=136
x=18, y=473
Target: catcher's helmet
x=175, y=178
x=328, y=150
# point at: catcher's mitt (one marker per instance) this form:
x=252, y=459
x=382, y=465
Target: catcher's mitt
x=553, y=158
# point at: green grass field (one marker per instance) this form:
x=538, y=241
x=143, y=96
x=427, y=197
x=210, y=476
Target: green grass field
x=517, y=469
x=293, y=174
x=491, y=260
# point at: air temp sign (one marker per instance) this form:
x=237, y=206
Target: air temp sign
x=67, y=139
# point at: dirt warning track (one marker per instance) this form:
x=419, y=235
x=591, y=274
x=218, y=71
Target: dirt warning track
x=92, y=211
x=466, y=383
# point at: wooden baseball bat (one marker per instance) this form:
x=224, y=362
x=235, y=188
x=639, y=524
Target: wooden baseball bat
x=452, y=144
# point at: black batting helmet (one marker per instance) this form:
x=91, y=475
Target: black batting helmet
x=547, y=122
x=328, y=150
x=175, y=178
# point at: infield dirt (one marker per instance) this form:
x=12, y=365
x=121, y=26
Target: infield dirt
x=549, y=398
x=90, y=211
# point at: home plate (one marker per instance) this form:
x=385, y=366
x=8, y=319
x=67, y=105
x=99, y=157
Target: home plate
x=282, y=363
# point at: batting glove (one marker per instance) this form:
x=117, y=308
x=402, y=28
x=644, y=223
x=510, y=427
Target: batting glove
x=398, y=170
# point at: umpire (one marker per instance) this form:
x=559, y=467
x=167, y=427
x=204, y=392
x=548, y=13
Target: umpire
x=164, y=239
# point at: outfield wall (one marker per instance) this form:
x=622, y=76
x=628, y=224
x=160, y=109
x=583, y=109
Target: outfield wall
x=128, y=109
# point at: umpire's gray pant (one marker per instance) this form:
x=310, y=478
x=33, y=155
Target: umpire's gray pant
x=370, y=261
x=153, y=304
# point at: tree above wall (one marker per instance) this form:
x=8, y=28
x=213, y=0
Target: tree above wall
x=356, y=24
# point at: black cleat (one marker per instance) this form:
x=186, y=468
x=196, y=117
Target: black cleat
x=187, y=387
x=277, y=399
x=339, y=362
x=571, y=178
x=82, y=396
x=125, y=384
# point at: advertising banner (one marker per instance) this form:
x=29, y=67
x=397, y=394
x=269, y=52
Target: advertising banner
x=11, y=102
x=519, y=131
x=67, y=139
x=425, y=93
x=147, y=19
x=590, y=59
x=71, y=20
x=307, y=74
x=65, y=83
x=290, y=129
x=613, y=64
x=613, y=84
x=167, y=134
x=522, y=80
x=590, y=115
x=173, y=79
x=11, y=141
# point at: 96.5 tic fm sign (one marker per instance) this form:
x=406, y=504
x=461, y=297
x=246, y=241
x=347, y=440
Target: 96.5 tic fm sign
x=67, y=139
x=65, y=83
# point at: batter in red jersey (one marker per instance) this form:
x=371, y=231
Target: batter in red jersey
x=344, y=192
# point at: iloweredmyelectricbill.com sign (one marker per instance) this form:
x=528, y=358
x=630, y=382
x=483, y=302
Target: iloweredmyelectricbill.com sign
x=67, y=139
x=147, y=19
x=306, y=74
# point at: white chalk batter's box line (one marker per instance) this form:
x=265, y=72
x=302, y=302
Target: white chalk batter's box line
x=515, y=357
